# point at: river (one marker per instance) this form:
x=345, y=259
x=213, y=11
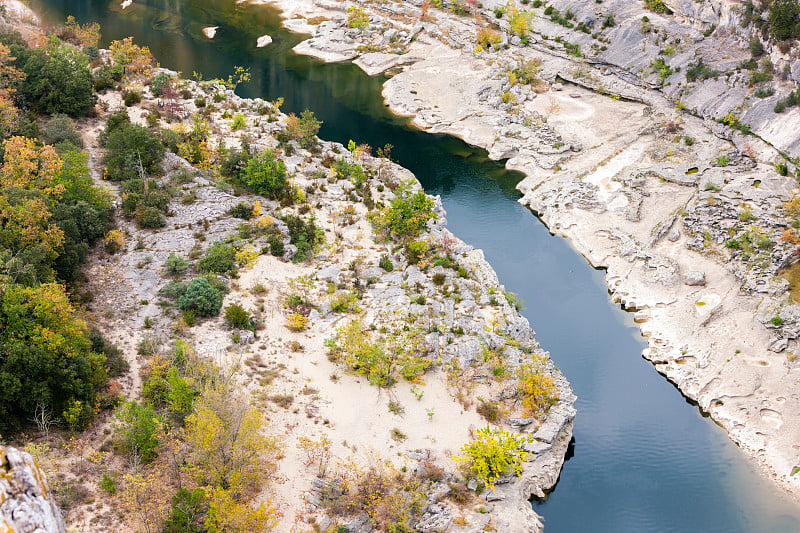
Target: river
x=643, y=458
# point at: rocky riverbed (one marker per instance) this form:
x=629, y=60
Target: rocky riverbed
x=649, y=175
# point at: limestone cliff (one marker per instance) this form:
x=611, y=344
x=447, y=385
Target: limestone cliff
x=26, y=504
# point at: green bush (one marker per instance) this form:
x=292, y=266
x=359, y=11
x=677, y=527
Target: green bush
x=150, y=217
x=305, y=234
x=130, y=98
x=242, y=210
x=175, y=265
x=188, y=512
x=276, y=246
x=406, y=217
x=160, y=81
x=756, y=47
x=699, y=71
x=386, y=263
x=266, y=175
x=237, y=317
x=200, y=296
x=108, y=484
x=219, y=259
x=58, y=128
x=137, y=427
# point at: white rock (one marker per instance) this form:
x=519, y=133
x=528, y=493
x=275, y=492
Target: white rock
x=210, y=31
x=263, y=41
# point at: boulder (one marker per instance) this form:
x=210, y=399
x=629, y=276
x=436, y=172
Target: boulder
x=695, y=278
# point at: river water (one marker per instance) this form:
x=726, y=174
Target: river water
x=643, y=459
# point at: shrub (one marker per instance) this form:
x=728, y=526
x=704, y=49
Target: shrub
x=108, y=484
x=114, y=241
x=160, y=81
x=386, y=263
x=58, y=128
x=406, y=217
x=237, y=317
x=220, y=258
x=242, y=210
x=536, y=388
x=276, y=247
x=305, y=234
x=116, y=364
x=756, y=47
x=266, y=175
x=486, y=37
x=492, y=453
x=357, y=18
x=699, y=71
x=175, y=265
x=238, y=123
x=149, y=217
x=200, y=296
x=130, y=98
x=137, y=426
x=303, y=129
x=656, y=6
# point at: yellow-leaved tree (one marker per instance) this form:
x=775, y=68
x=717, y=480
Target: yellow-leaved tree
x=229, y=448
x=227, y=515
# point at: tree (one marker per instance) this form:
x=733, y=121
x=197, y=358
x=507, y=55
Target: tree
x=29, y=166
x=784, y=19
x=10, y=76
x=47, y=357
x=57, y=80
x=145, y=499
x=225, y=434
x=25, y=222
x=130, y=149
x=226, y=515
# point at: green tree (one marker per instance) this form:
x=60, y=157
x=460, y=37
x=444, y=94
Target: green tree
x=130, y=148
x=57, y=80
x=47, y=357
x=784, y=19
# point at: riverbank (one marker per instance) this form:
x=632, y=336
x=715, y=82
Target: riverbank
x=633, y=195
x=452, y=348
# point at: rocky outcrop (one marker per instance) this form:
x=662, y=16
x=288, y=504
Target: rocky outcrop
x=683, y=210
x=26, y=504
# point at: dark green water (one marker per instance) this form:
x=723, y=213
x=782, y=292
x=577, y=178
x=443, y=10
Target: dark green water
x=644, y=459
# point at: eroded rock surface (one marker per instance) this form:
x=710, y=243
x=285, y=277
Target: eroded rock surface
x=26, y=505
